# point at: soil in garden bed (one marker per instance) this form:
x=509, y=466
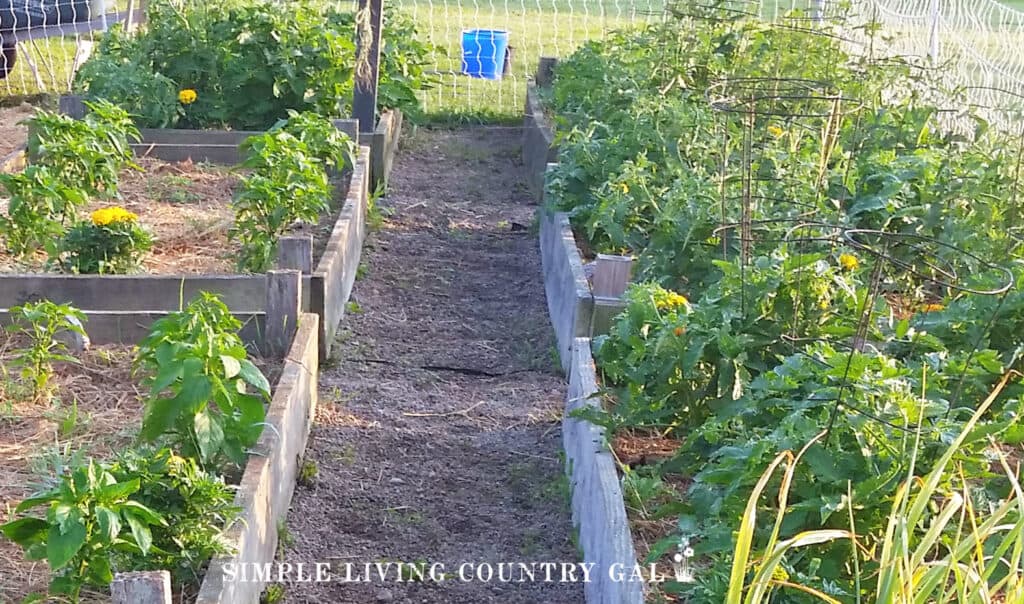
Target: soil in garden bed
x=187, y=208
x=13, y=134
x=96, y=410
x=438, y=435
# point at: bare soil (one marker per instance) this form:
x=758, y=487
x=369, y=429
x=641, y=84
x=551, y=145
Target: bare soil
x=437, y=439
x=12, y=134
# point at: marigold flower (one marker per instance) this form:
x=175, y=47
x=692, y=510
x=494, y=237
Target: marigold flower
x=775, y=131
x=670, y=300
x=848, y=261
x=111, y=215
x=187, y=96
x=679, y=331
x=932, y=308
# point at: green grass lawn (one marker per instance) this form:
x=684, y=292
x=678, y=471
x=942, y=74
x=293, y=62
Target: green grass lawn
x=536, y=29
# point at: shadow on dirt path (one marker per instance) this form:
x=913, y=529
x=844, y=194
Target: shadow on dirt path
x=438, y=436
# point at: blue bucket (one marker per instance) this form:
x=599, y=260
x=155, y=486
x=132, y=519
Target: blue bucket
x=483, y=53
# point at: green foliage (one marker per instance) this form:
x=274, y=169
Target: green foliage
x=770, y=351
x=90, y=520
x=288, y=183
x=199, y=380
x=39, y=325
x=88, y=153
x=196, y=505
x=40, y=203
x=249, y=61
x=321, y=137
x=101, y=247
x=72, y=160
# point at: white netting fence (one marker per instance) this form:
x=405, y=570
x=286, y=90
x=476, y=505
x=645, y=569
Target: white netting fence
x=973, y=47
x=531, y=28
x=44, y=42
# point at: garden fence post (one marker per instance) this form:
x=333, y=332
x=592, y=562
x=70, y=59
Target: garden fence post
x=295, y=253
x=933, y=31
x=368, y=32
x=150, y=587
x=284, y=303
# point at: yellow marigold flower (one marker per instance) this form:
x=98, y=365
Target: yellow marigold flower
x=932, y=308
x=187, y=96
x=105, y=216
x=775, y=131
x=670, y=301
x=848, y=261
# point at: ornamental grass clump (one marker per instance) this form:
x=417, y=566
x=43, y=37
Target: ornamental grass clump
x=111, y=242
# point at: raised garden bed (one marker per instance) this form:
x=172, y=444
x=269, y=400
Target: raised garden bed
x=598, y=509
x=265, y=491
x=121, y=307
x=97, y=411
x=539, y=148
x=383, y=144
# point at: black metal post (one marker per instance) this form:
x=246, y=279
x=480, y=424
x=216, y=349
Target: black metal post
x=364, y=98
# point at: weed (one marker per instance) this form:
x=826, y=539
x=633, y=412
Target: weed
x=532, y=543
x=376, y=214
x=273, y=594
x=353, y=307
x=285, y=538
x=308, y=473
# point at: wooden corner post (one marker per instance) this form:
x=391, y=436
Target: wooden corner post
x=369, y=21
x=150, y=587
x=284, y=303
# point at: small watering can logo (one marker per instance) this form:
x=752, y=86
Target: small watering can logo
x=681, y=561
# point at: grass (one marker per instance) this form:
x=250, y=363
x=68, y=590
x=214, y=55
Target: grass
x=546, y=28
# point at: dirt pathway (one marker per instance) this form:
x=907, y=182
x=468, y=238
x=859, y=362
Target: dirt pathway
x=438, y=436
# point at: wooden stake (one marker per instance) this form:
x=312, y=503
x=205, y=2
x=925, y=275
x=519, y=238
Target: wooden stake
x=150, y=587
x=284, y=302
x=295, y=253
x=611, y=275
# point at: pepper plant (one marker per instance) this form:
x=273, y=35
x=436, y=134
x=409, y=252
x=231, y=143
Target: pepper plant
x=206, y=398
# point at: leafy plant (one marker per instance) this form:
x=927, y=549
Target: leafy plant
x=90, y=518
x=88, y=153
x=39, y=205
x=112, y=242
x=321, y=137
x=941, y=543
x=199, y=380
x=40, y=325
x=288, y=183
x=197, y=507
x=249, y=62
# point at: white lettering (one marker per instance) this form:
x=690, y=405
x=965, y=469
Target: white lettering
x=323, y=572
x=437, y=572
x=615, y=572
x=526, y=571
x=462, y=572
x=489, y=571
x=586, y=567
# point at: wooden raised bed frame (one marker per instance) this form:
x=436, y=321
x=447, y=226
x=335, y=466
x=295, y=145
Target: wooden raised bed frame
x=121, y=308
x=598, y=508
